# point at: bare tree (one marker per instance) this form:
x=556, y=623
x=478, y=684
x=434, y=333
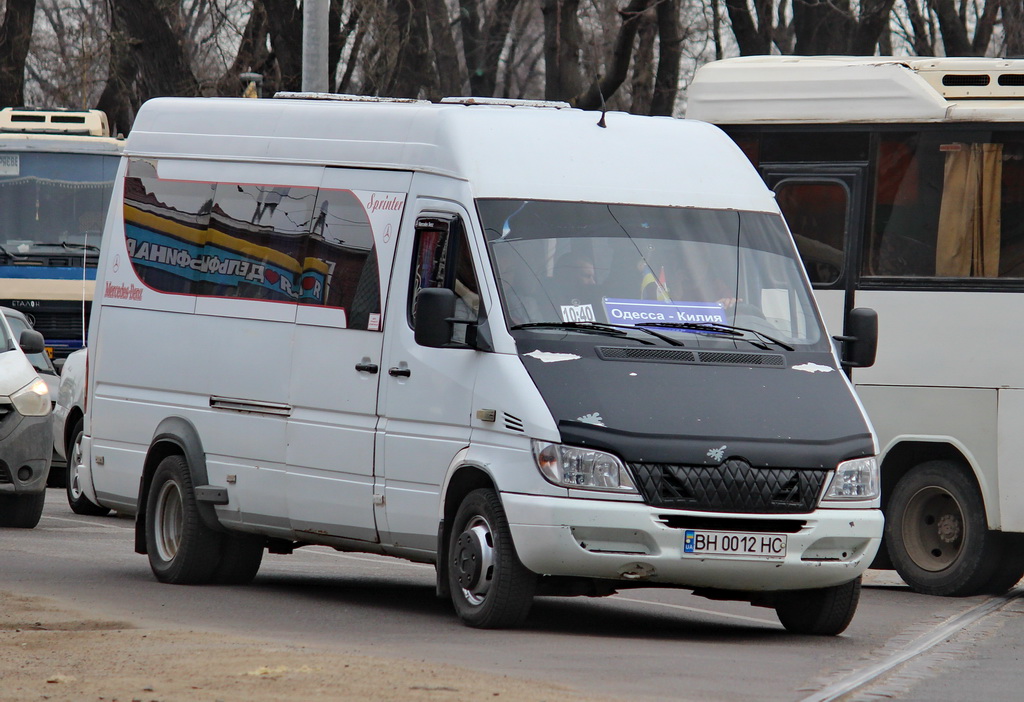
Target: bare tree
x=815, y=26
x=15, y=36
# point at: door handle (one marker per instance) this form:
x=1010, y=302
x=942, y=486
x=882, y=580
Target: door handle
x=399, y=372
x=366, y=367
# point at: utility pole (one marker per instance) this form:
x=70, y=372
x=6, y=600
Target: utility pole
x=314, y=46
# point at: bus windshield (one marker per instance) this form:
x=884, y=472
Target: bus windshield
x=53, y=199
x=670, y=267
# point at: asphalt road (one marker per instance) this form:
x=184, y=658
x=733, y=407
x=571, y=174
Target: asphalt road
x=649, y=644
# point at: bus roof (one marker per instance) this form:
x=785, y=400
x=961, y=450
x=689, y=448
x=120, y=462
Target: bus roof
x=59, y=131
x=845, y=89
x=516, y=150
x=34, y=120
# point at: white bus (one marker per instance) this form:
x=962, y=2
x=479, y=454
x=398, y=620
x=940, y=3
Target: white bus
x=56, y=172
x=903, y=183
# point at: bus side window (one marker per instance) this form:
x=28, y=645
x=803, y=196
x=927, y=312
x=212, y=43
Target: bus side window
x=817, y=215
x=948, y=205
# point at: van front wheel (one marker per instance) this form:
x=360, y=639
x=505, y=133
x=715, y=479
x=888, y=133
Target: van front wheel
x=490, y=587
x=182, y=549
x=825, y=611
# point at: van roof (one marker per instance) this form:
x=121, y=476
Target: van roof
x=537, y=151
x=843, y=89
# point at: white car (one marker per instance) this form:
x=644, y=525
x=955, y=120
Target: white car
x=40, y=360
x=68, y=425
x=25, y=419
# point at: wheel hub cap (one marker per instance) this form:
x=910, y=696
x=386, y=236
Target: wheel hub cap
x=473, y=561
x=949, y=528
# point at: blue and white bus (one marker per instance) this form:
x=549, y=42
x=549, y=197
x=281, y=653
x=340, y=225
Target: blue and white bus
x=57, y=168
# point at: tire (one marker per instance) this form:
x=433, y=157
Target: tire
x=240, y=559
x=80, y=504
x=938, y=537
x=21, y=511
x=490, y=587
x=182, y=549
x=1010, y=568
x=823, y=612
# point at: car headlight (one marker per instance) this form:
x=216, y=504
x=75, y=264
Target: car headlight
x=568, y=466
x=33, y=400
x=854, y=480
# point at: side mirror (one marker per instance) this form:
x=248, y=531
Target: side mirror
x=860, y=343
x=435, y=308
x=31, y=341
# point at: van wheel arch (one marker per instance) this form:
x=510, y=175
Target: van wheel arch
x=465, y=480
x=173, y=436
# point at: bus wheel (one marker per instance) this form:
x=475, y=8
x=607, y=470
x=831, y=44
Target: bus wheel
x=80, y=504
x=182, y=550
x=21, y=511
x=937, y=534
x=490, y=587
x=825, y=611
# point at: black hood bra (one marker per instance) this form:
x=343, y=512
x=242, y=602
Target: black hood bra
x=698, y=406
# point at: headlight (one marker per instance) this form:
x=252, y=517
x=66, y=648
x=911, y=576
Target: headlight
x=854, y=480
x=33, y=400
x=568, y=466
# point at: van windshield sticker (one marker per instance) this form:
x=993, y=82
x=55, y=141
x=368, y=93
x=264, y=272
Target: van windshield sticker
x=578, y=313
x=551, y=357
x=813, y=368
x=627, y=311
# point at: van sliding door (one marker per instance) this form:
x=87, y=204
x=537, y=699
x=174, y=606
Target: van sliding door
x=336, y=355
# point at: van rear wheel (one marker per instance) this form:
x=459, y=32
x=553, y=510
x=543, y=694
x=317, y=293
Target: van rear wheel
x=79, y=503
x=490, y=587
x=182, y=549
x=240, y=559
x=824, y=611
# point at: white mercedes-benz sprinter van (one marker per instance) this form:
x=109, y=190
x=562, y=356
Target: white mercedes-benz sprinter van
x=546, y=350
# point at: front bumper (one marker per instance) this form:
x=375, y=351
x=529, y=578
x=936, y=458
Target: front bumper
x=26, y=448
x=634, y=542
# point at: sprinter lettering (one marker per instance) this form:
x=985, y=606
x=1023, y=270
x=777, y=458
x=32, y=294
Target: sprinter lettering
x=391, y=203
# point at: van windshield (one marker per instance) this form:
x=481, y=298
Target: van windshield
x=569, y=262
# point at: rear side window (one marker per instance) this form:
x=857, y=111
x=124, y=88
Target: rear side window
x=287, y=244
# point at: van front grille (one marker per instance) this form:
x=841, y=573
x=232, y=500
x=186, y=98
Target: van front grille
x=733, y=486
x=660, y=355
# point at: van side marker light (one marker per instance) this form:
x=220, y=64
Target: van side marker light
x=551, y=357
x=813, y=368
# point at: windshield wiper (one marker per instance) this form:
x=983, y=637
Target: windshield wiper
x=87, y=247
x=719, y=328
x=599, y=328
